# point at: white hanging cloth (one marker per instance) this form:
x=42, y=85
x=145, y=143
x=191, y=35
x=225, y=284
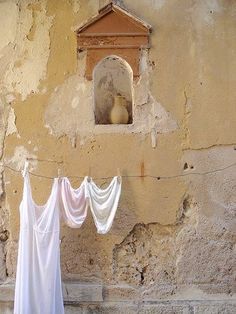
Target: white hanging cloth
x=38, y=278
x=103, y=203
x=74, y=203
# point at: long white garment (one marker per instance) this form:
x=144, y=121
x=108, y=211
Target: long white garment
x=103, y=203
x=38, y=279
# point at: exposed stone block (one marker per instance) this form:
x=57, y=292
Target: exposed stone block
x=6, y=308
x=165, y=309
x=82, y=292
x=215, y=309
x=2, y=262
x=146, y=255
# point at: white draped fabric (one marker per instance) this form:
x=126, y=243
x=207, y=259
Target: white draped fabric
x=38, y=279
x=103, y=203
x=74, y=203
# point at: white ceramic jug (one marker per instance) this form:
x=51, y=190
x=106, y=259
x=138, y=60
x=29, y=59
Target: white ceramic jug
x=119, y=113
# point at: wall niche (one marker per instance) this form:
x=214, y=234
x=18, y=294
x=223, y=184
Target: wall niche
x=113, y=40
x=113, y=96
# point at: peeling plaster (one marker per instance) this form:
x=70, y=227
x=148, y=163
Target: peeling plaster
x=78, y=117
x=224, y=194
x=171, y=237
x=1, y=185
x=203, y=12
x=11, y=126
x=18, y=159
x=31, y=51
x=8, y=23
x=161, y=257
x=73, y=99
x=3, y=122
x=164, y=122
x=140, y=257
x=215, y=191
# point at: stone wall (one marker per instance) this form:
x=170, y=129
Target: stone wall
x=172, y=246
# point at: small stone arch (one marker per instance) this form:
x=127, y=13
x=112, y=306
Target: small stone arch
x=112, y=76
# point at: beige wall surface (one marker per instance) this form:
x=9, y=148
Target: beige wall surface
x=172, y=236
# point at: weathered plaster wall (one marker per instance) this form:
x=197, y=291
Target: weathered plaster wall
x=174, y=238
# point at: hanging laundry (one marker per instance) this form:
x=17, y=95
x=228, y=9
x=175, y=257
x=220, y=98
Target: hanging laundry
x=74, y=203
x=103, y=203
x=38, y=278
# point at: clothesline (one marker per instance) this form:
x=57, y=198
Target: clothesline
x=133, y=176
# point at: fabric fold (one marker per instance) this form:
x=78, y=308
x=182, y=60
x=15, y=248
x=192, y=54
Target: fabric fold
x=103, y=203
x=74, y=204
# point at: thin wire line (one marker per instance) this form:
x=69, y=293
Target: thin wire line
x=135, y=176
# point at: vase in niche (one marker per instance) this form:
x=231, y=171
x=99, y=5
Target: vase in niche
x=119, y=113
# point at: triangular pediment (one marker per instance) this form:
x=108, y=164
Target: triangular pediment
x=113, y=19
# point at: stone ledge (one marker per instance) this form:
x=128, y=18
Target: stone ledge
x=139, y=308
x=74, y=292
x=86, y=298
x=77, y=292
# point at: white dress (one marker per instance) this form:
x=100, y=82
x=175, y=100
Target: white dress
x=38, y=279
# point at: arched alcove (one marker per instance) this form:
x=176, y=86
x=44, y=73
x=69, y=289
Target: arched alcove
x=112, y=76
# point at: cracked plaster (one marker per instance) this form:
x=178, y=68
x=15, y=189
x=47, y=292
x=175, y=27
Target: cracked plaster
x=30, y=51
x=18, y=159
x=174, y=237
x=11, y=126
x=149, y=115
